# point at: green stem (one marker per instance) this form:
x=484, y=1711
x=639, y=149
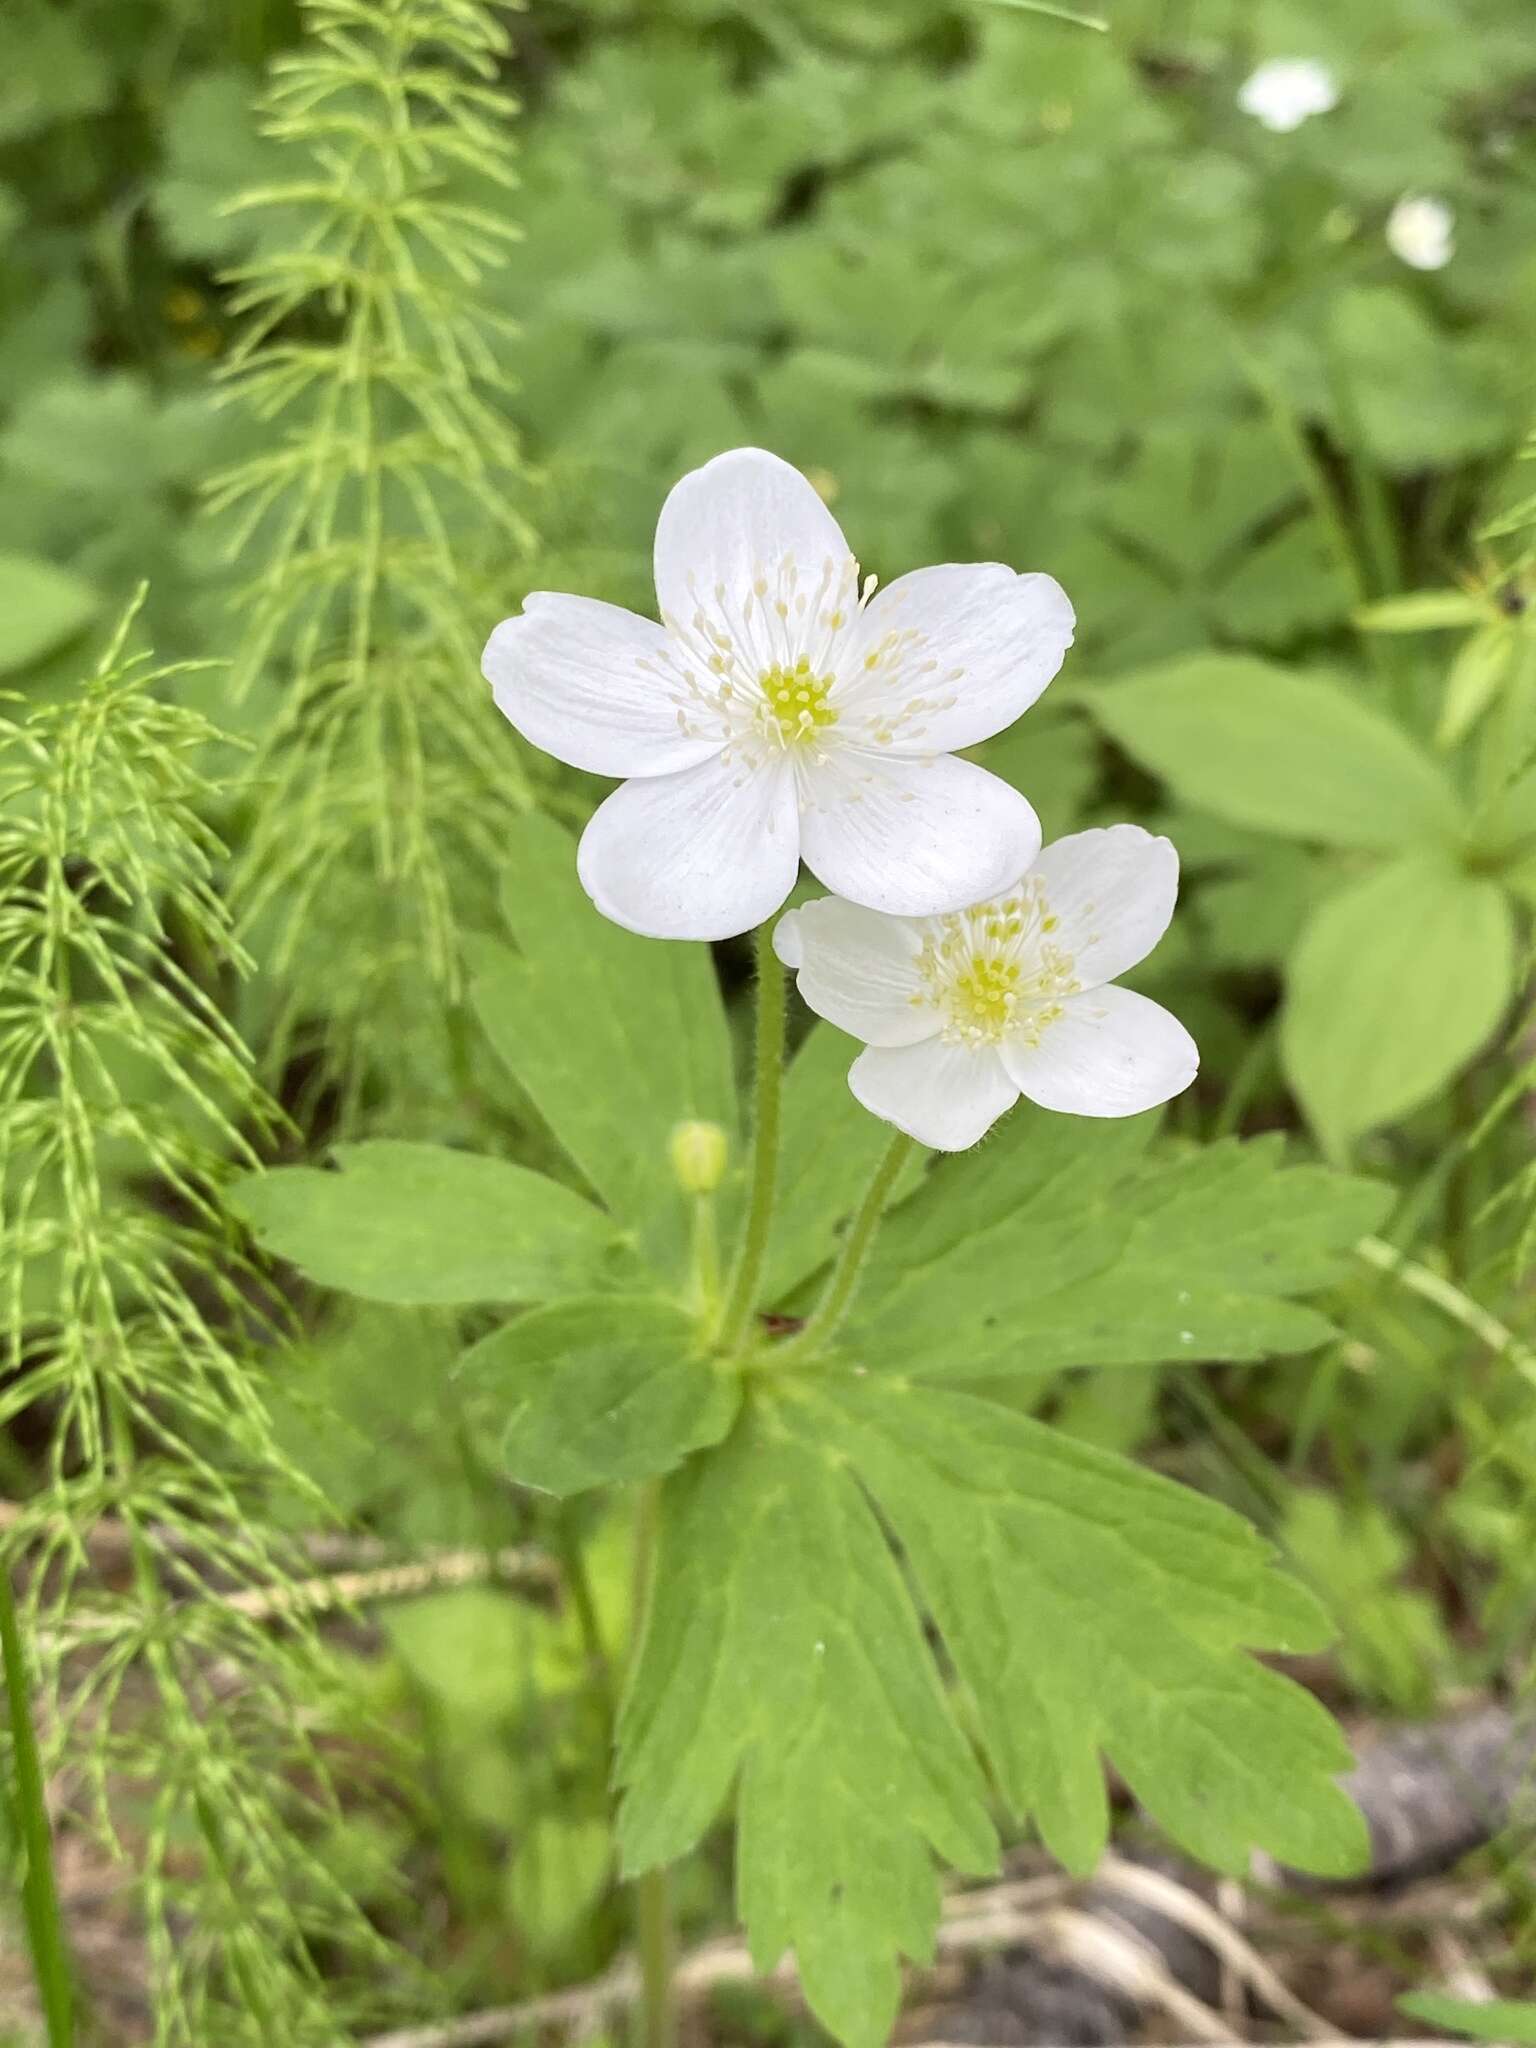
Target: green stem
x=737, y=1317
x=40, y=1898
x=835, y=1303
x=654, y=1933
x=706, y=1256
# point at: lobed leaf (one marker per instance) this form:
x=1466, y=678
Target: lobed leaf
x=419, y=1224
x=1089, y=1608
x=1058, y=1244
x=596, y=1391
x=782, y=1654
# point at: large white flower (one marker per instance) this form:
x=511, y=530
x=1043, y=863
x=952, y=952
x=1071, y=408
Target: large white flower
x=962, y=1014
x=1421, y=231
x=780, y=711
x=1287, y=91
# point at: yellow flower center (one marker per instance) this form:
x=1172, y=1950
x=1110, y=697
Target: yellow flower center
x=998, y=970
x=797, y=700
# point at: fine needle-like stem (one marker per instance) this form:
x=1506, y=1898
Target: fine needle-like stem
x=654, y=1933
x=835, y=1303
x=40, y=1898
x=737, y=1316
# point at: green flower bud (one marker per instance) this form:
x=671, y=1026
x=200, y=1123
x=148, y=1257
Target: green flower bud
x=698, y=1157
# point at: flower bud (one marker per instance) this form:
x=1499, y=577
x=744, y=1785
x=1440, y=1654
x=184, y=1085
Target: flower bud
x=698, y=1157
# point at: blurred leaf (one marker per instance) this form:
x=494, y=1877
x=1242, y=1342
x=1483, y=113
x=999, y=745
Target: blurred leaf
x=1422, y=399
x=560, y=1872
x=1392, y=1644
x=1481, y=666
x=1397, y=981
x=469, y=1648
x=53, y=69
x=410, y=1223
x=599, y=1391
x=1279, y=751
x=1491, y=2019
x=41, y=606
x=214, y=149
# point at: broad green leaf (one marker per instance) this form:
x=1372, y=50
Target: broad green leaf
x=616, y=1039
x=599, y=1390
x=782, y=1655
x=1059, y=1244
x=470, y=1647
x=1493, y=2019
x=1395, y=983
x=1093, y=1608
x=422, y=1223
x=829, y=1149
x=1422, y=611
x=41, y=606
x=1280, y=752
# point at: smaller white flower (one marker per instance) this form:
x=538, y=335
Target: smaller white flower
x=1287, y=91
x=1421, y=231
x=961, y=1015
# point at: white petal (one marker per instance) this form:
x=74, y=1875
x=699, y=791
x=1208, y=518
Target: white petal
x=1111, y=1053
x=589, y=683
x=704, y=854
x=946, y=1096
x=959, y=652
x=858, y=969
x=913, y=836
x=1113, y=892
x=738, y=519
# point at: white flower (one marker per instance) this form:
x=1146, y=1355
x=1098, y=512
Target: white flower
x=1287, y=91
x=1421, y=230
x=779, y=712
x=962, y=1014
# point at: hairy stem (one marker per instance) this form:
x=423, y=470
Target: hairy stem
x=843, y=1285
x=40, y=1898
x=737, y=1316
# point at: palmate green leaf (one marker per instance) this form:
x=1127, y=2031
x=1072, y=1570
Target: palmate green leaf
x=1395, y=983
x=600, y=1390
x=1060, y=1243
x=419, y=1224
x=1291, y=754
x=782, y=1652
x=1089, y=1608
x=616, y=1039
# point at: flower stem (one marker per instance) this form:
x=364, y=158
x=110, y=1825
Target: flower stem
x=736, y=1318
x=835, y=1303
x=40, y=1899
x=654, y=1934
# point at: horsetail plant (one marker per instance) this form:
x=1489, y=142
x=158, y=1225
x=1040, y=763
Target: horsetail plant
x=372, y=362
x=176, y=1725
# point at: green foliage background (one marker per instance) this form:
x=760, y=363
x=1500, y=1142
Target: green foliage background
x=343, y=373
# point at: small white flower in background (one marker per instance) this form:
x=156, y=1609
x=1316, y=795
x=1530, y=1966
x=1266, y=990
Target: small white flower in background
x=1287, y=91
x=960, y=1015
x=1421, y=231
x=781, y=711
